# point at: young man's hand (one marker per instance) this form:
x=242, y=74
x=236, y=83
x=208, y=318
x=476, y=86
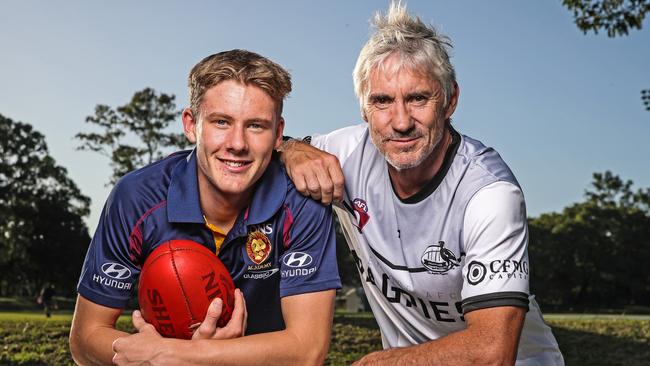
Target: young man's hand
x=143, y=347
x=235, y=328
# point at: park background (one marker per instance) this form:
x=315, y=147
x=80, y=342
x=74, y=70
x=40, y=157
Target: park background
x=565, y=109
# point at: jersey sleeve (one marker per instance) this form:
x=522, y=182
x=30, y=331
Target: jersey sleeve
x=309, y=263
x=109, y=275
x=495, y=233
x=341, y=142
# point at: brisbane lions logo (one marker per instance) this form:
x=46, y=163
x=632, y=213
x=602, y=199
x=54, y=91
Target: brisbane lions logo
x=358, y=209
x=258, y=247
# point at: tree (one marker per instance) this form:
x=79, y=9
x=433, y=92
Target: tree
x=593, y=254
x=645, y=98
x=43, y=237
x=143, y=119
x=616, y=17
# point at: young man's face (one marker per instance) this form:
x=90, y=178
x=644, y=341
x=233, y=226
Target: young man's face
x=406, y=114
x=235, y=133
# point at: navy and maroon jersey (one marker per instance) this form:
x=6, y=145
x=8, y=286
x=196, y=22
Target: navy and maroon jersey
x=160, y=202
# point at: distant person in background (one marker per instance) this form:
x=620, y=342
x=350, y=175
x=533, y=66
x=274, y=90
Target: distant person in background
x=46, y=299
x=435, y=220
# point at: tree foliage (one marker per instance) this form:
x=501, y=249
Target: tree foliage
x=142, y=121
x=593, y=254
x=42, y=233
x=616, y=17
x=645, y=98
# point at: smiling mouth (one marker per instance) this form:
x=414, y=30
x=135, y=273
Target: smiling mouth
x=403, y=141
x=235, y=163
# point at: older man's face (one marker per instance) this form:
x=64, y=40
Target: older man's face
x=406, y=114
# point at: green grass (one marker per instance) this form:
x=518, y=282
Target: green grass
x=29, y=338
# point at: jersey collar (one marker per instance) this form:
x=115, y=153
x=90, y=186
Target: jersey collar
x=183, y=203
x=270, y=194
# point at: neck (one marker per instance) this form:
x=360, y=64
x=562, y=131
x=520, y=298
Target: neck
x=219, y=208
x=407, y=182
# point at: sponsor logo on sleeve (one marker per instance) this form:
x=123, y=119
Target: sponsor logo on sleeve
x=499, y=269
x=297, y=259
x=297, y=264
x=114, y=273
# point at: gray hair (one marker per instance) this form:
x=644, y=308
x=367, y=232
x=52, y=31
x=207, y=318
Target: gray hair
x=418, y=45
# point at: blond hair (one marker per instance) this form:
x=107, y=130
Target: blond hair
x=248, y=68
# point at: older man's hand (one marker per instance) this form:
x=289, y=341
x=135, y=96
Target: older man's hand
x=315, y=173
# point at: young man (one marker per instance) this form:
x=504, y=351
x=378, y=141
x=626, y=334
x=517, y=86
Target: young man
x=435, y=220
x=229, y=193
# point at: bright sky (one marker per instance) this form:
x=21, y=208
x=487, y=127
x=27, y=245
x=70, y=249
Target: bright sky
x=558, y=105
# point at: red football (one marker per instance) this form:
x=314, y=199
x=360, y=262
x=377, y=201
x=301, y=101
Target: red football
x=178, y=281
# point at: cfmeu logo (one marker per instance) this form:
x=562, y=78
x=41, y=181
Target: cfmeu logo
x=116, y=270
x=297, y=259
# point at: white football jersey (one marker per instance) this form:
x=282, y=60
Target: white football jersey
x=458, y=245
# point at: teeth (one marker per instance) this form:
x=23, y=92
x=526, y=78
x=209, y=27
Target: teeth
x=234, y=164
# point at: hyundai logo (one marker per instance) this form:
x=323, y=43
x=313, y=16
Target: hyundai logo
x=116, y=270
x=297, y=259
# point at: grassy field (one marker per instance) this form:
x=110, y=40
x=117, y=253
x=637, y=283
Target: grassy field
x=31, y=339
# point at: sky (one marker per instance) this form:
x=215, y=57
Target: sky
x=558, y=105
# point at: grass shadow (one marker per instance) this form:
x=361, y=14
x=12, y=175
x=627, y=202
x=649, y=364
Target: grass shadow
x=604, y=342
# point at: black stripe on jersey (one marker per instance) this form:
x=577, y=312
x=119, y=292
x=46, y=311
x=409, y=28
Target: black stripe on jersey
x=395, y=266
x=508, y=298
x=435, y=181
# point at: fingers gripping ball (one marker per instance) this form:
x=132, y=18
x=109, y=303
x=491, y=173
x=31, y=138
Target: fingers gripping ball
x=178, y=281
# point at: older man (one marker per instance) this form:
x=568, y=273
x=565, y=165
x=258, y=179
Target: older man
x=435, y=220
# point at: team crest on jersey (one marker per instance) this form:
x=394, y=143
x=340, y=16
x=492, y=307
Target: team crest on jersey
x=439, y=260
x=258, y=247
x=359, y=209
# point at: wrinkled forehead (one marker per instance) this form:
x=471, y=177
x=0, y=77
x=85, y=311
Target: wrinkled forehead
x=396, y=66
x=400, y=79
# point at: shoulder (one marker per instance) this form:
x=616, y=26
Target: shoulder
x=499, y=201
x=341, y=142
x=303, y=205
x=144, y=188
x=484, y=160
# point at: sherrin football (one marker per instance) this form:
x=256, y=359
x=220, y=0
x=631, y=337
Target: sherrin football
x=178, y=281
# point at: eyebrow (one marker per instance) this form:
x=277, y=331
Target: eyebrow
x=417, y=93
x=215, y=115
x=376, y=96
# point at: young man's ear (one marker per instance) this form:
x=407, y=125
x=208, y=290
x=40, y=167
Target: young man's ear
x=279, y=130
x=190, y=124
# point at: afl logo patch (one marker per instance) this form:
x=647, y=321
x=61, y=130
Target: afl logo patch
x=258, y=247
x=361, y=208
x=116, y=271
x=475, y=273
